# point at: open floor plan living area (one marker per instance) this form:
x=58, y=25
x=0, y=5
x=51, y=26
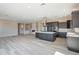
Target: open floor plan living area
x=39, y=29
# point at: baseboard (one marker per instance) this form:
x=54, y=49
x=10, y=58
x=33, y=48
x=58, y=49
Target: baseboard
x=8, y=35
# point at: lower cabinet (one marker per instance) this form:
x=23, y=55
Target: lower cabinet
x=46, y=36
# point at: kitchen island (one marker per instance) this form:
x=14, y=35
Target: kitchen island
x=73, y=41
x=49, y=36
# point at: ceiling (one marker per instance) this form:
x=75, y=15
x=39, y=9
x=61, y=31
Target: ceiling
x=30, y=12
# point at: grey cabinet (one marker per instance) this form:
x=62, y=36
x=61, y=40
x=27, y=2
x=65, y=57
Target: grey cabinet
x=75, y=18
x=51, y=26
x=46, y=36
x=62, y=34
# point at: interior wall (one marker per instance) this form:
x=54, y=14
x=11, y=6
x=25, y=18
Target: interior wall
x=8, y=28
x=34, y=27
x=24, y=28
x=27, y=29
x=20, y=28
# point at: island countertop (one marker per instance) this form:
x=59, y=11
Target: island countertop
x=72, y=34
x=47, y=32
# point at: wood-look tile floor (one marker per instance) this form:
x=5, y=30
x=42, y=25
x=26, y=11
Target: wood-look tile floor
x=29, y=45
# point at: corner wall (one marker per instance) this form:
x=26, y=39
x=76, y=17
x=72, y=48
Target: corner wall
x=8, y=28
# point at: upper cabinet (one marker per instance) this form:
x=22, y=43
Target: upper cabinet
x=63, y=25
x=52, y=26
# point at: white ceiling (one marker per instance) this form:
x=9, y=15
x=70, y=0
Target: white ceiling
x=29, y=12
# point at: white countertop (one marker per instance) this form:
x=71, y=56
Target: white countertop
x=47, y=32
x=72, y=34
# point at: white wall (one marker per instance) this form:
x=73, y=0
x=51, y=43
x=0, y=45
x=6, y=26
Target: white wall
x=8, y=28
x=28, y=31
x=33, y=28
x=26, y=28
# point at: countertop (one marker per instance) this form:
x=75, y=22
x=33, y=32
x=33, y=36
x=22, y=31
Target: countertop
x=47, y=32
x=72, y=34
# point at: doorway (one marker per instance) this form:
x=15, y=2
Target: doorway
x=20, y=29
